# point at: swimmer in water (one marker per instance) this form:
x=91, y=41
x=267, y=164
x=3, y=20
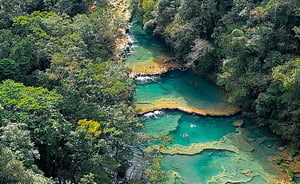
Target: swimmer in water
x=185, y=135
x=192, y=126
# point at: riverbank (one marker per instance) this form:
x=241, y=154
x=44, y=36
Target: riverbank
x=204, y=131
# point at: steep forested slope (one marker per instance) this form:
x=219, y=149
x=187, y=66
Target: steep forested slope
x=251, y=48
x=64, y=106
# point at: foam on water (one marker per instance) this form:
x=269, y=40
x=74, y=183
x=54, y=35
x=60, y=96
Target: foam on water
x=219, y=152
x=210, y=162
x=186, y=89
x=146, y=78
x=165, y=123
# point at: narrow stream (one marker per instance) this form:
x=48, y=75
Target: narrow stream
x=205, y=149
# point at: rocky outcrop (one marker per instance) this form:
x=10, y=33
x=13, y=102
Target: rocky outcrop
x=154, y=66
x=194, y=148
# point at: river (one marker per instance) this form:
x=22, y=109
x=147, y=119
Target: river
x=212, y=144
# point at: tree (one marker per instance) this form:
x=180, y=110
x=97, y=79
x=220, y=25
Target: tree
x=13, y=170
x=199, y=50
x=8, y=69
x=16, y=137
x=154, y=173
x=38, y=109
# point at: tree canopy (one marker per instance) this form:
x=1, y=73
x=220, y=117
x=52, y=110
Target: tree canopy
x=255, y=54
x=64, y=100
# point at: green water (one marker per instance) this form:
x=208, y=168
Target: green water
x=201, y=168
x=190, y=88
x=210, y=165
x=145, y=46
x=201, y=129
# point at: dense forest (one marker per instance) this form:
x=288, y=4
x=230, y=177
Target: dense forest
x=250, y=47
x=64, y=97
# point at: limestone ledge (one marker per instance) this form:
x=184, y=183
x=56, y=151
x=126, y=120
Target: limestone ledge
x=154, y=66
x=239, y=141
x=174, y=177
x=171, y=103
x=194, y=148
x=224, y=177
x=237, y=171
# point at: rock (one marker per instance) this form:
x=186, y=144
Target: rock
x=194, y=148
x=238, y=130
x=239, y=123
x=239, y=141
x=280, y=148
x=251, y=139
x=295, y=164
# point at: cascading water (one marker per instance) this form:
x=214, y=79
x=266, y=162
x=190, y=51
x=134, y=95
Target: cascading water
x=205, y=149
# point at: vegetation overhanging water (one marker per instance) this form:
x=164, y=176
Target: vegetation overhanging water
x=205, y=149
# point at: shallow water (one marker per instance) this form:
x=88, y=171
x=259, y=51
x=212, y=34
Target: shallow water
x=247, y=165
x=144, y=46
x=187, y=87
x=201, y=129
x=201, y=168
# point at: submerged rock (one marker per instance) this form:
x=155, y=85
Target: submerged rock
x=295, y=165
x=239, y=141
x=161, y=125
x=239, y=123
x=194, y=148
x=181, y=104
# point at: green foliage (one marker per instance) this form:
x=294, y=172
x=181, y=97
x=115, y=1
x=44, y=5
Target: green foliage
x=278, y=161
x=293, y=151
x=8, y=68
x=17, y=96
x=290, y=173
x=90, y=126
x=154, y=174
x=164, y=139
x=297, y=31
x=17, y=138
x=21, y=54
x=206, y=65
x=65, y=55
x=148, y=8
x=87, y=179
x=13, y=171
x=15, y=56
x=288, y=74
x=255, y=56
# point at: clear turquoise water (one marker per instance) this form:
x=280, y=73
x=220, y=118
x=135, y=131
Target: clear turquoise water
x=192, y=89
x=201, y=129
x=203, y=165
x=145, y=46
x=209, y=166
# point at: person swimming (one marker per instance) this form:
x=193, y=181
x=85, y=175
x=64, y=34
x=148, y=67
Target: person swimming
x=192, y=126
x=185, y=135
